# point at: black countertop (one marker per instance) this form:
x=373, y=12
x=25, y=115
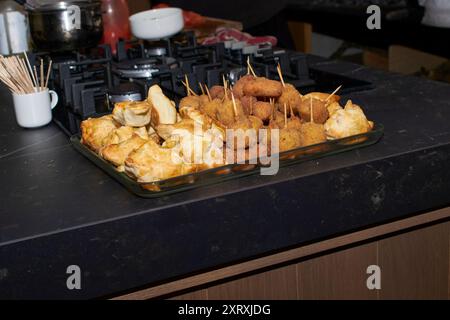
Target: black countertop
x=58, y=209
x=399, y=26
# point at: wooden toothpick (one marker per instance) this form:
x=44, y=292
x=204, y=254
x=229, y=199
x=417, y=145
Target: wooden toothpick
x=334, y=92
x=280, y=74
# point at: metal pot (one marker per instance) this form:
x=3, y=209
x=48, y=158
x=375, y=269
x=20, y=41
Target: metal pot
x=66, y=25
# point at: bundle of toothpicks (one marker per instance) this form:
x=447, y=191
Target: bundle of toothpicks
x=16, y=73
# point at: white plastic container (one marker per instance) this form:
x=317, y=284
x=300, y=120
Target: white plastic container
x=14, y=33
x=437, y=13
x=157, y=23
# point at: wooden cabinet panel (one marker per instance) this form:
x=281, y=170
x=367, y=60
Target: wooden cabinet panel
x=415, y=265
x=195, y=295
x=280, y=283
x=247, y=288
x=339, y=275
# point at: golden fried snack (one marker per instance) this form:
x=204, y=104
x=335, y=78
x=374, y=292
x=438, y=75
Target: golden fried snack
x=277, y=121
x=203, y=99
x=319, y=110
x=190, y=102
x=289, y=139
x=94, y=131
x=117, y=153
x=226, y=113
x=210, y=108
x=164, y=111
x=289, y=96
x=263, y=87
x=333, y=107
x=325, y=97
x=256, y=123
x=132, y=113
x=312, y=133
x=294, y=123
x=196, y=115
x=263, y=110
x=248, y=103
x=152, y=162
x=184, y=127
x=238, y=89
x=118, y=135
x=153, y=135
x=347, y=122
x=250, y=137
x=217, y=92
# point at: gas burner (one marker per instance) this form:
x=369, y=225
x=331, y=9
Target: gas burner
x=124, y=92
x=155, y=52
x=136, y=69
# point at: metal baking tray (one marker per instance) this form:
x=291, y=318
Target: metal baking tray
x=232, y=171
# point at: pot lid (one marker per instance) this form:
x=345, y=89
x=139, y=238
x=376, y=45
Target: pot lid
x=44, y=5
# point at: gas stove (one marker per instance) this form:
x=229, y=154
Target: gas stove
x=90, y=82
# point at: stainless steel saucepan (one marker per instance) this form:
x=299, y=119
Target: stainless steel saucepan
x=65, y=25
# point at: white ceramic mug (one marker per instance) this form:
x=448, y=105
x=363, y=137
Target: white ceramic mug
x=34, y=109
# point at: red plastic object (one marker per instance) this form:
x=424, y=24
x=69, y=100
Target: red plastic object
x=115, y=22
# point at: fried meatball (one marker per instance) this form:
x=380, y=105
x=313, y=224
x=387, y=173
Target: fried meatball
x=319, y=109
x=277, y=121
x=226, y=114
x=263, y=110
x=312, y=133
x=190, y=102
x=294, y=123
x=244, y=124
x=256, y=122
x=322, y=97
x=289, y=139
x=217, y=92
x=203, y=99
x=263, y=87
x=238, y=89
x=289, y=96
x=211, y=107
x=248, y=103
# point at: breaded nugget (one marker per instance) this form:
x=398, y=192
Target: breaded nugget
x=238, y=89
x=322, y=97
x=217, y=92
x=319, y=109
x=190, y=102
x=289, y=139
x=263, y=110
x=248, y=103
x=289, y=96
x=263, y=87
x=256, y=122
x=312, y=133
x=210, y=108
x=226, y=114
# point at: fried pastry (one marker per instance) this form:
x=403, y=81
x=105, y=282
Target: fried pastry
x=94, y=131
x=117, y=153
x=132, y=113
x=347, y=122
